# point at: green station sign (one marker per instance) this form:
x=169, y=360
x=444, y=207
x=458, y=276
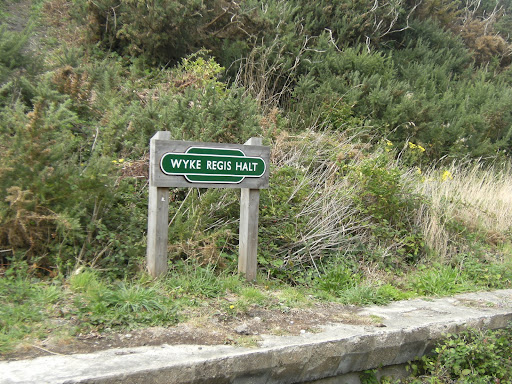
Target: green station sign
x=212, y=165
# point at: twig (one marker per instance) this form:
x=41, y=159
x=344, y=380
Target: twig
x=46, y=350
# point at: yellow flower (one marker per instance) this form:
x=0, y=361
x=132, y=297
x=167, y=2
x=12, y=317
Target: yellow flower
x=446, y=175
x=389, y=143
x=121, y=160
x=416, y=146
x=114, y=161
x=418, y=170
x=231, y=306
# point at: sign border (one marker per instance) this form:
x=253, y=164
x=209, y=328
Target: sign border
x=209, y=174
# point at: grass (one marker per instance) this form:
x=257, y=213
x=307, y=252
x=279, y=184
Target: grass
x=473, y=200
x=26, y=308
x=439, y=280
x=88, y=302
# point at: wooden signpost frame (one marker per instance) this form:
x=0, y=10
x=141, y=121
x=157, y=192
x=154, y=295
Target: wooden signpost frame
x=158, y=205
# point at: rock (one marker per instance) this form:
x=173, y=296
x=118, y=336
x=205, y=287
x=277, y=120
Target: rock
x=242, y=329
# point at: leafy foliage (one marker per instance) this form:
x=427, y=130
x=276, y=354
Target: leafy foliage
x=471, y=357
x=73, y=167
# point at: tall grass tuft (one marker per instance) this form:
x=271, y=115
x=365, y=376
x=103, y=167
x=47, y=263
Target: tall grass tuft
x=465, y=200
x=326, y=220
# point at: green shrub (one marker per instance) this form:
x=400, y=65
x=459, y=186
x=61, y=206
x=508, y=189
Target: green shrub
x=11, y=54
x=62, y=204
x=426, y=92
x=471, y=357
x=386, y=199
x=351, y=21
x=207, y=115
x=73, y=167
x=280, y=222
x=487, y=274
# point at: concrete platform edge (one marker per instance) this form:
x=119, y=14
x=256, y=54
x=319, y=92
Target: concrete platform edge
x=407, y=331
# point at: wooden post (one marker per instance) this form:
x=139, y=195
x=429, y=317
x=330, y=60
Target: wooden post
x=158, y=216
x=249, y=213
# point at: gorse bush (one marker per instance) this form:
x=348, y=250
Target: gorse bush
x=163, y=32
x=10, y=50
x=390, y=204
x=73, y=175
x=306, y=57
x=387, y=67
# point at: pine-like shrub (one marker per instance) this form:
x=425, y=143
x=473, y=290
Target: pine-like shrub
x=73, y=170
x=163, y=32
x=11, y=55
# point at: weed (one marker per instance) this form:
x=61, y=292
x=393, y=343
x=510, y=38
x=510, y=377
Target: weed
x=246, y=341
x=486, y=274
x=364, y=294
x=338, y=279
x=293, y=297
x=253, y=295
x=84, y=281
x=125, y=305
x=196, y=280
x=369, y=377
x=439, y=280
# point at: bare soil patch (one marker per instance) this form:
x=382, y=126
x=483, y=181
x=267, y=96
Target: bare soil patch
x=204, y=327
x=18, y=15
x=19, y=20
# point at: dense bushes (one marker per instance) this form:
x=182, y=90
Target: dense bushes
x=73, y=155
x=11, y=56
x=425, y=72
x=347, y=94
x=164, y=32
